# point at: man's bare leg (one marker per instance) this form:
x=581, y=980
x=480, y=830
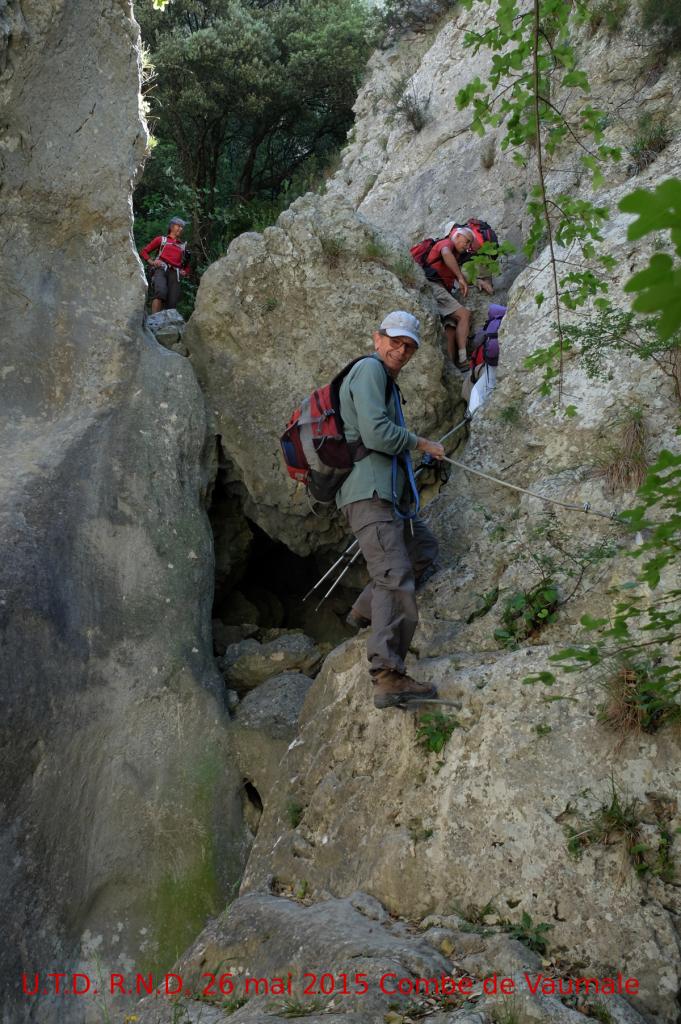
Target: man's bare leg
x=457, y=335
x=156, y=305
x=463, y=323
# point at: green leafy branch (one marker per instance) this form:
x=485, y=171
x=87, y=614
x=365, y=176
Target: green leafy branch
x=532, y=57
x=658, y=287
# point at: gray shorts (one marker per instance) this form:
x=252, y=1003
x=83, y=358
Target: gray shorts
x=167, y=286
x=446, y=303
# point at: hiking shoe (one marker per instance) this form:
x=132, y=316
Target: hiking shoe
x=391, y=689
x=462, y=367
x=357, y=621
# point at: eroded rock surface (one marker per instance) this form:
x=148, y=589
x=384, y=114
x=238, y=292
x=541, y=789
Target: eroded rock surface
x=491, y=822
x=484, y=824
x=265, y=723
x=249, y=663
x=280, y=314
x=361, y=954
x=113, y=728
x=168, y=327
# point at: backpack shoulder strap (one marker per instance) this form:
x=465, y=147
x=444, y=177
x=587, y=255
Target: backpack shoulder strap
x=436, y=241
x=335, y=385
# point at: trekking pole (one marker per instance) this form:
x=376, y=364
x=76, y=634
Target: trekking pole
x=328, y=572
x=340, y=577
x=344, y=557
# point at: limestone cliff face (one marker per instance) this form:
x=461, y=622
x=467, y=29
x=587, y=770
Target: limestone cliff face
x=281, y=314
x=489, y=824
x=121, y=818
x=112, y=725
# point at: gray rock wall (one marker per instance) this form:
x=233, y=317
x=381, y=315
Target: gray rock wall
x=488, y=823
x=280, y=314
x=120, y=817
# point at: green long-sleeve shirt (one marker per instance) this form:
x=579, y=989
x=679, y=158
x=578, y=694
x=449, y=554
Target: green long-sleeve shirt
x=367, y=417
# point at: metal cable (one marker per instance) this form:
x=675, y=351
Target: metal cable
x=586, y=507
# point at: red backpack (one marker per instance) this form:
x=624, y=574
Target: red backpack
x=316, y=452
x=480, y=228
x=421, y=251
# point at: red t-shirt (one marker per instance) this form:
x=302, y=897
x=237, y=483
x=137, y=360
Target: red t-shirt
x=173, y=253
x=435, y=261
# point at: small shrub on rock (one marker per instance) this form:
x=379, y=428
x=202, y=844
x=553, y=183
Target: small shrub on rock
x=649, y=844
x=527, y=612
x=624, y=465
x=663, y=19
x=608, y=14
x=434, y=730
x=414, y=108
x=639, y=699
x=333, y=250
x=532, y=935
x=652, y=136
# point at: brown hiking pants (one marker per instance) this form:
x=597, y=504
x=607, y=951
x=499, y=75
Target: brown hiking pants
x=396, y=560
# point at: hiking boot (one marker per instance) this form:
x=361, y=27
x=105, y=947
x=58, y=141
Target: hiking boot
x=391, y=689
x=357, y=621
x=463, y=366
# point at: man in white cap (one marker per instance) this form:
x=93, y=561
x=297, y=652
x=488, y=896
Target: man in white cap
x=398, y=551
x=171, y=263
x=443, y=270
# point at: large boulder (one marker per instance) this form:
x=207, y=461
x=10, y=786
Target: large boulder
x=265, y=723
x=249, y=663
x=487, y=822
x=121, y=819
x=349, y=960
x=280, y=314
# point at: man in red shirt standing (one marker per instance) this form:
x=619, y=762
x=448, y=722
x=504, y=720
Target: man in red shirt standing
x=171, y=263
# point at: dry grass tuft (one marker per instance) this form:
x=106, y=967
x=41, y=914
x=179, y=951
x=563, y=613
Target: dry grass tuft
x=625, y=465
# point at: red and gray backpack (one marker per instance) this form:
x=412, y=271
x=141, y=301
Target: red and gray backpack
x=480, y=228
x=316, y=452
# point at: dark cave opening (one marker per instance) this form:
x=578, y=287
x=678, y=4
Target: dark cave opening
x=260, y=583
x=270, y=588
x=251, y=805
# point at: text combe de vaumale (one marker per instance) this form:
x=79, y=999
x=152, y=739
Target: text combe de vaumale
x=213, y=986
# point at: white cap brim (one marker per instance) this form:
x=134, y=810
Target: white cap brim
x=401, y=332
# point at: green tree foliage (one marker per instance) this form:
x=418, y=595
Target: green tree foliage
x=647, y=618
x=532, y=61
x=659, y=286
x=247, y=94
